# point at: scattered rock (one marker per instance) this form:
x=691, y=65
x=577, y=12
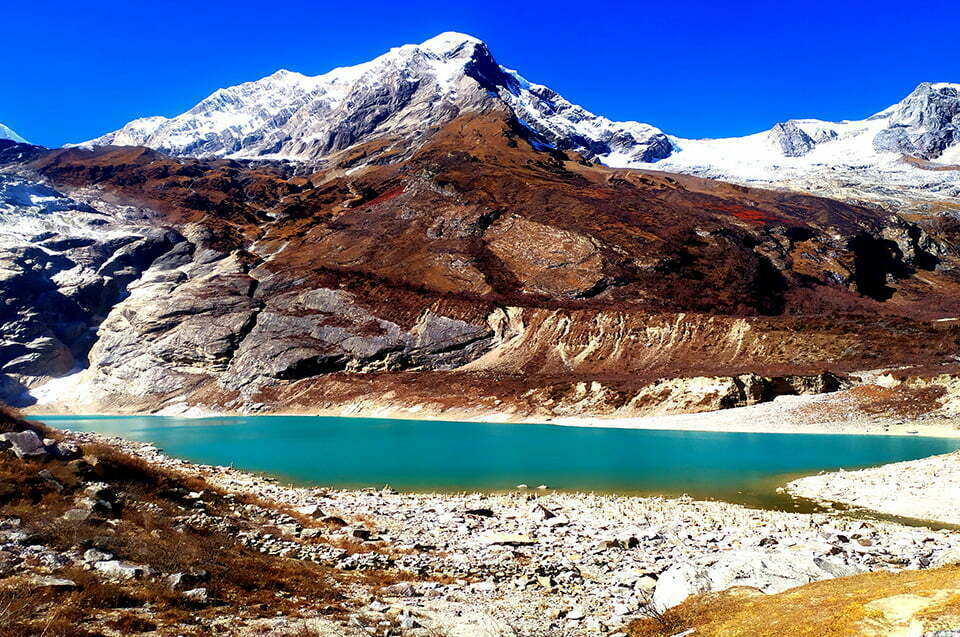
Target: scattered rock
x=59, y=583
x=96, y=555
x=575, y=614
x=26, y=445
x=310, y=511
x=679, y=582
x=77, y=515
x=187, y=581
x=360, y=533
x=509, y=539
x=196, y=595
x=949, y=557
x=483, y=513
x=117, y=569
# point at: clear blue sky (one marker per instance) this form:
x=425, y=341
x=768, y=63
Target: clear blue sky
x=74, y=70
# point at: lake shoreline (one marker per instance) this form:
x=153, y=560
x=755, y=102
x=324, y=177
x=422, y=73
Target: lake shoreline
x=515, y=558
x=452, y=457
x=775, y=417
x=927, y=489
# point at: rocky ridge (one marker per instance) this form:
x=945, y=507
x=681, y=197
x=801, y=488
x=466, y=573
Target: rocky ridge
x=483, y=262
x=397, y=99
x=7, y=133
x=904, y=157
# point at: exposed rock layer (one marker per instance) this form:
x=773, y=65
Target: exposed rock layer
x=481, y=266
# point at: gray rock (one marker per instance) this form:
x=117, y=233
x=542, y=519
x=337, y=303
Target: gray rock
x=95, y=555
x=50, y=479
x=77, y=515
x=403, y=589
x=120, y=570
x=196, y=595
x=360, y=533
x=57, y=288
x=767, y=572
x=187, y=581
x=679, y=582
x=948, y=557
x=26, y=445
x=790, y=139
x=311, y=511
x=65, y=451
x=58, y=583
x=923, y=125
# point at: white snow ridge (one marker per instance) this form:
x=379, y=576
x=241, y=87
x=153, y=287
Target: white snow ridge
x=905, y=153
x=8, y=133
x=399, y=95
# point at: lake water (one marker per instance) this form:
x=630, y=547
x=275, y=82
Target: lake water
x=465, y=456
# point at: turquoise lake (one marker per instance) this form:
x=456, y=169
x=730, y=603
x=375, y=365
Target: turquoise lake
x=461, y=456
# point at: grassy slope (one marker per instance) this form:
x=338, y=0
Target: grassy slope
x=243, y=582
x=871, y=605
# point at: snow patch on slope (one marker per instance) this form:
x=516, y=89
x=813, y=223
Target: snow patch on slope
x=864, y=161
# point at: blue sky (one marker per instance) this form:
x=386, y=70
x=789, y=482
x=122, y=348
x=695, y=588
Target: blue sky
x=74, y=70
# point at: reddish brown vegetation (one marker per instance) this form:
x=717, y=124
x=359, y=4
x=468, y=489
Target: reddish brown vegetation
x=242, y=582
x=477, y=219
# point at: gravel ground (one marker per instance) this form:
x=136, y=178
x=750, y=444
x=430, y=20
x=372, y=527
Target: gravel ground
x=537, y=562
x=926, y=489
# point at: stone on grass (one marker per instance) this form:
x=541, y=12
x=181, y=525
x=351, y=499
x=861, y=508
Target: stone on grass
x=57, y=583
x=26, y=445
x=117, y=569
x=679, y=582
x=196, y=595
x=310, y=511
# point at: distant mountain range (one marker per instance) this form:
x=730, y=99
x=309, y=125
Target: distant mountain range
x=401, y=97
x=431, y=233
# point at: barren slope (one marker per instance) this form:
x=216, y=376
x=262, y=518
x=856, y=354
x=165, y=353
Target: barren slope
x=483, y=265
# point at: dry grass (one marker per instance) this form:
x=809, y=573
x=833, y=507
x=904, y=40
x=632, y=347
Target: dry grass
x=900, y=401
x=846, y=607
x=242, y=581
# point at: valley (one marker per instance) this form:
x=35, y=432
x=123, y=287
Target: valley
x=419, y=347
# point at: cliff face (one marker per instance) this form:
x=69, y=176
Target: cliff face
x=480, y=268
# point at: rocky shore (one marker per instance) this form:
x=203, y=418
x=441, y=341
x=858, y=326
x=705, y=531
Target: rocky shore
x=537, y=562
x=926, y=489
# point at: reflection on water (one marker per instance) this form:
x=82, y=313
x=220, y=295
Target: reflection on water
x=460, y=456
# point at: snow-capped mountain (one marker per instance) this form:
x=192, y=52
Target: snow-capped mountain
x=7, y=133
x=400, y=97
x=905, y=155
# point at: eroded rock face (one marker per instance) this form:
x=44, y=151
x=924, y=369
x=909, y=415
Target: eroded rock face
x=923, y=125
x=560, y=286
x=299, y=335
x=63, y=265
x=790, y=139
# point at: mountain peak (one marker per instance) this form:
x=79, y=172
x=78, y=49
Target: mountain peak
x=925, y=124
x=401, y=96
x=450, y=42
x=8, y=133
